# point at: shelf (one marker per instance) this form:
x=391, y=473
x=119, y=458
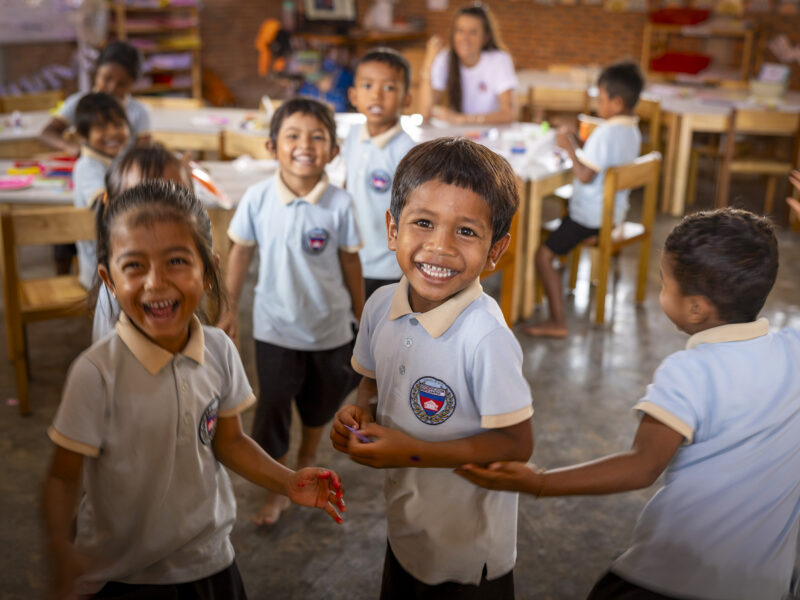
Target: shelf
x=158, y=9
x=160, y=88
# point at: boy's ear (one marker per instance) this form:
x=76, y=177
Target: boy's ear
x=334, y=152
x=271, y=148
x=701, y=310
x=496, y=252
x=105, y=277
x=391, y=231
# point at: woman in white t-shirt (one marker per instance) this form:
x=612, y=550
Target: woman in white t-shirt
x=474, y=77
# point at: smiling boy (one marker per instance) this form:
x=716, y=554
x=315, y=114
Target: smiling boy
x=447, y=373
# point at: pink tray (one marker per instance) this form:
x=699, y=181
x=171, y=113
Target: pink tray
x=15, y=182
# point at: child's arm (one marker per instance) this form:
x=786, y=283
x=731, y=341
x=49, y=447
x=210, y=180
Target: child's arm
x=58, y=503
x=565, y=139
x=52, y=135
x=351, y=271
x=238, y=263
x=314, y=487
x=354, y=415
x=428, y=97
x=393, y=448
x=652, y=450
x=794, y=179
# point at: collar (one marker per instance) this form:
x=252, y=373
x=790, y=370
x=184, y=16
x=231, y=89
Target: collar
x=439, y=319
x=628, y=120
x=734, y=332
x=154, y=357
x=90, y=152
x=381, y=139
x=287, y=196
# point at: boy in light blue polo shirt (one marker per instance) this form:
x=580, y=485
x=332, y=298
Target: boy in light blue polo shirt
x=614, y=143
x=442, y=378
x=372, y=153
x=722, y=417
x=309, y=292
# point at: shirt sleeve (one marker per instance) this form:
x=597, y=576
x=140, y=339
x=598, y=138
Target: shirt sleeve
x=504, y=77
x=498, y=385
x=140, y=120
x=242, y=226
x=439, y=71
x=67, y=110
x=671, y=397
x=349, y=235
x=89, y=181
x=363, y=361
x=596, y=153
x=239, y=395
x=79, y=424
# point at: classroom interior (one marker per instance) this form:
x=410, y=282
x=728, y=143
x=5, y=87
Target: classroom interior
x=229, y=64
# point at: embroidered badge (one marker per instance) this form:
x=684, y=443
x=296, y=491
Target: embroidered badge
x=208, y=422
x=432, y=400
x=315, y=240
x=380, y=180
x=482, y=87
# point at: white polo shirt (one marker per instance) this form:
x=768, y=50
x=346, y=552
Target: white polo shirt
x=371, y=164
x=481, y=84
x=157, y=506
x=301, y=301
x=89, y=182
x=449, y=373
x=725, y=524
x=138, y=115
x=615, y=142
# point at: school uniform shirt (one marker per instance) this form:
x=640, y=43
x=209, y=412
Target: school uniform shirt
x=301, y=301
x=481, y=84
x=725, y=524
x=371, y=164
x=452, y=372
x=615, y=142
x=89, y=184
x=138, y=115
x=157, y=506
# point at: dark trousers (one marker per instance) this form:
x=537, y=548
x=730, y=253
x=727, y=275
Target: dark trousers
x=614, y=587
x=399, y=584
x=225, y=585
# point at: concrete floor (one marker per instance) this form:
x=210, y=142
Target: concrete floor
x=583, y=389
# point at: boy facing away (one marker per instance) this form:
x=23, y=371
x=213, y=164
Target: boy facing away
x=442, y=378
x=722, y=417
x=615, y=142
x=372, y=153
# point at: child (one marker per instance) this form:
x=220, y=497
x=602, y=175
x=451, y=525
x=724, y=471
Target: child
x=135, y=166
x=372, y=152
x=118, y=68
x=103, y=130
x=309, y=285
x=723, y=418
x=613, y=143
x=447, y=373
x=148, y=414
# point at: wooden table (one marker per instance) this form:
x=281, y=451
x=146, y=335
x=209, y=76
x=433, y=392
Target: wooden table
x=23, y=141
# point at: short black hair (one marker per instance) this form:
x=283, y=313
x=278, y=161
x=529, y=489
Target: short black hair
x=391, y=58
x=306, y=106
x=124, y=55
x=623, y=80
x=97, y=108
x=463, y=163
x=730, y=256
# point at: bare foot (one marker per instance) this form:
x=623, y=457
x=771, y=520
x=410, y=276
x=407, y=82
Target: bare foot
x=549, y=329
x=270, y=511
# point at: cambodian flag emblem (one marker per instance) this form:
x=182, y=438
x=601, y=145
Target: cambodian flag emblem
x=380, y=180
x=432, y=400
x=208, y=422
x=315, y=240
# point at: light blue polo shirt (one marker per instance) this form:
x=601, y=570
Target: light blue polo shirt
x=452, y=372
x=613, y=143
x=138, y=115
x=301, y=301
x=371, y=164
x=89, y=182
x=725, y=524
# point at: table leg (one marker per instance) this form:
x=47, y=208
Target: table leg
x=681, y=167
x=672, y=123
x=532, y=238
x=519, y=252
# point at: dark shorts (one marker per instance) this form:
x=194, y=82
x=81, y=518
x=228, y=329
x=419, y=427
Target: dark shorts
x=373, y=284
x=568, y=235
x=399, y=584
x=317, y=381
x=614, y=587
x=225, y=585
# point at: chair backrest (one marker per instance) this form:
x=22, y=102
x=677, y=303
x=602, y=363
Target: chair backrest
x=30, y=102
x=235, y=143
x=559, y=99
x=649, y=112
x=764, y=122
x=171, y=102
x=640, y=173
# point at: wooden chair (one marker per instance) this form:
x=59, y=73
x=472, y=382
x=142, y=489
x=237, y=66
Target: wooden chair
x=509, y=266
x=29, y=300
x=643, y=172
x=557, y=103
x=171, y=102
x=761, y=123
x=31, y=102
x=237, y=143
x=649, y=113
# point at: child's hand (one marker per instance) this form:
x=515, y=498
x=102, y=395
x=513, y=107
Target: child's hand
x=317, y=488
x=69, y=565
x=511, y=476
x=432, y=48
x=352, y=416
x=388, y=448
x=564, y=138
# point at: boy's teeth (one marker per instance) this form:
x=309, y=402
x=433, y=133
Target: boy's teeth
x=434, y=271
